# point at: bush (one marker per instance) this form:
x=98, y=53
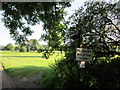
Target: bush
x=40, y=50
x=23, y=49
x=96, y=74
x=107, y=73
x=65, y=74
x=49, y=80
x=9, y=46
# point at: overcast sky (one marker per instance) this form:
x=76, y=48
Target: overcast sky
x=4, y=32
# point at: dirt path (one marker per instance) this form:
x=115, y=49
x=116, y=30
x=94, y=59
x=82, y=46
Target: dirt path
x=6, y=81
x=29, y=82
x=0, y=77
x=20, y=82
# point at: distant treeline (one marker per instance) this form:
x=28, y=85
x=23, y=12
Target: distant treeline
x=32, y=45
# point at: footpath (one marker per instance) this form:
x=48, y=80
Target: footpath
x=5, y=80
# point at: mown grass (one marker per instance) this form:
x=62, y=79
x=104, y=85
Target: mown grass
x=27, y=63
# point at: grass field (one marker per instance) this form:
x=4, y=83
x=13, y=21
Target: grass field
x=27, y=63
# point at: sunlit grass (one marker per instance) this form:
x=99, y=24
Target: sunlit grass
x=27, y=63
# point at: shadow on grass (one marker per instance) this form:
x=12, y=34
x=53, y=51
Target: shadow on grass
x=24, y=56
x=29, y=76
x=26, y=70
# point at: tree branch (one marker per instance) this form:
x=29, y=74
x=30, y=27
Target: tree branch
x=113, y=23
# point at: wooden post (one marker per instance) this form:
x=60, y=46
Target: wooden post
x=80, y=40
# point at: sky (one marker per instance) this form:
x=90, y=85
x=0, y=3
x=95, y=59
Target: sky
x=5, y=37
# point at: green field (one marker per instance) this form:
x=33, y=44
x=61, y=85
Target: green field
x=27, y=63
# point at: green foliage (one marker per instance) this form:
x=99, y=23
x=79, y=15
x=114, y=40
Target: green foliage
x=65, y=74
x=17, y=48
x=50, y=13
x=97, y=74
x=96, y=25
x=23, y=49
x=90, y=28
x=9, y=46
x=47, y=53
x=33, y=45
x=49, y=79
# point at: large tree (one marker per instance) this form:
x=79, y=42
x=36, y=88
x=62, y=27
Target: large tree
x=17, y=20
x=18, y=17
x=95, y=26
x=33, y=44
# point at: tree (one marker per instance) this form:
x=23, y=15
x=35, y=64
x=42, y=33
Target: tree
x=10, y=47
x=2, y=47
x=50, y=13
x=34, y=44
x=94, y=26
x=23, y=49
x=17, y=48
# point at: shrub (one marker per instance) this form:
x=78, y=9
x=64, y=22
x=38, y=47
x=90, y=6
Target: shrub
x=23, y=49
x=96, y=74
